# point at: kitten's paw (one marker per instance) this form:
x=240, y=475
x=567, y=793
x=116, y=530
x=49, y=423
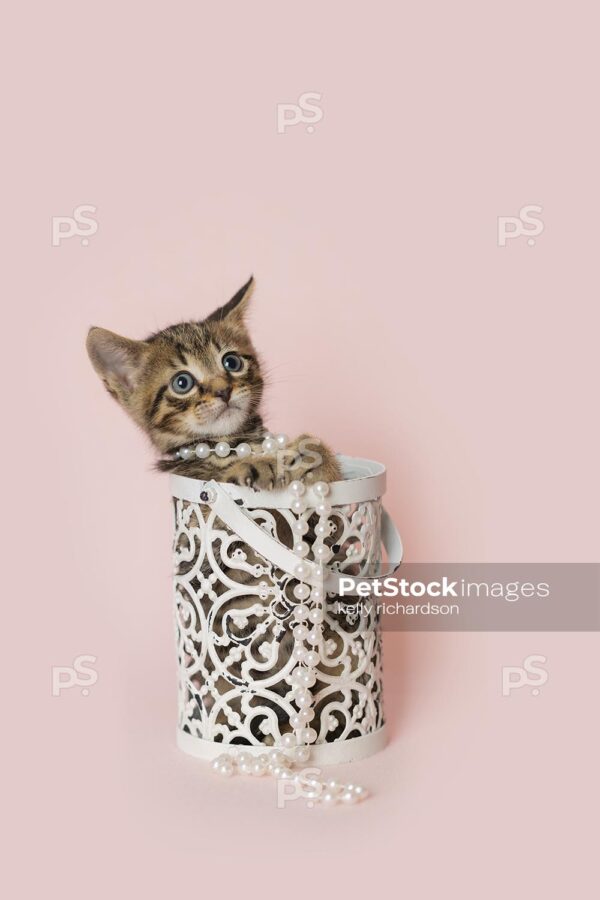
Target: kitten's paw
x=258, y=474
x=314, y=461
x=283, y=477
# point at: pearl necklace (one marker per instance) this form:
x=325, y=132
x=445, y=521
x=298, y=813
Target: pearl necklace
x=222, y=449
x=286, y=764
x=288, y=761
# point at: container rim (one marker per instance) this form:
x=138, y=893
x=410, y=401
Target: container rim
x=365, y=479
x=321, y=754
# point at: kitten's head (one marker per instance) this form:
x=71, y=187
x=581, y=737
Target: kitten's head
x=191, y=381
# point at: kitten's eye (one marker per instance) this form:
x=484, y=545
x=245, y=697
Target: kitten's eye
x=182, y=383
x=232, y=362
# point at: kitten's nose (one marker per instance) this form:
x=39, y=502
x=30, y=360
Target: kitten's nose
x=224, y=393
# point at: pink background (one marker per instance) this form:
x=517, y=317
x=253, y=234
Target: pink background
x=394, y=326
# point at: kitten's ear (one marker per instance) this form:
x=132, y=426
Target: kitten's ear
x=117, y=360
x=235, y=310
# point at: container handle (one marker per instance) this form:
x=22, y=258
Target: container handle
x=237, y=519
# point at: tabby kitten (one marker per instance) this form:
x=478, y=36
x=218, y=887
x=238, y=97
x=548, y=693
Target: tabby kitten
x=201, y=382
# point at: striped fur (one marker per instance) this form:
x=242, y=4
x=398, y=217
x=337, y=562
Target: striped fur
x=222, y=404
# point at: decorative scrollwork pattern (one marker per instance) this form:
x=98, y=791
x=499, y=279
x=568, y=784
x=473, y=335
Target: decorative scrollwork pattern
x=233, y=616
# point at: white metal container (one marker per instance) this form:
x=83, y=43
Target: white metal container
x=235, y=608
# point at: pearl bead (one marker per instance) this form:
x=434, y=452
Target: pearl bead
x=298, y=506
x=276, y=757
x=288, y=741
x=285, y=772
x=322, y=530
x=296, y=674
x=269, y=444
x=316, y=615
x=307, y=715
x=302, y=592
x=311, y=658
x=282, y=440
x=296, y=721
x=303, y=698
x=222, y=449
x=301, y=612
x=334, y=786
x=185, y=453
x=243, y=450
x=221, y=760
x=244, y=759
x=314, y=637
x=321, y=488
x=360, y=792
x=318, y=572
x=296, y=487
x=308, y=735
x=328, y=798
x=226, y=769
x=306, y=678
x=323, y=509
x=300, y=526
x=322, y=553
x=245, y=768
x=258, y=767
x=348, y=797
x=301, y=548
x=313, y=789
x=300, y=633
x=317, y=595
x=301, y=754
x=313, y=783
x=202, y=451
x=298, y=653
x=302, y=571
